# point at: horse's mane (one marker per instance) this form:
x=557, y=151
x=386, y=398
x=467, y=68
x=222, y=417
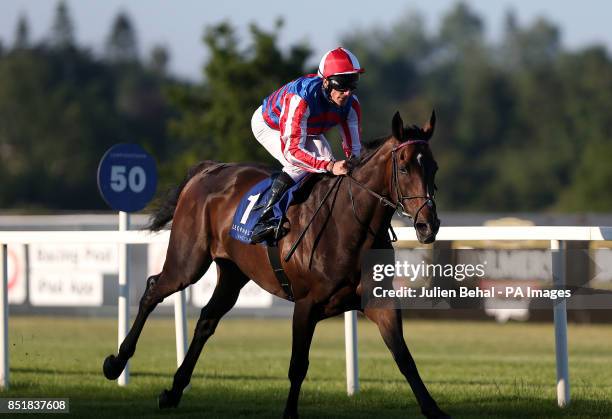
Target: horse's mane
x=374, y=144
x=370, y=147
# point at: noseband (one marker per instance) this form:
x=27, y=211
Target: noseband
x=398, y=205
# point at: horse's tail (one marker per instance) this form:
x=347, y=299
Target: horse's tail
x=165, y=211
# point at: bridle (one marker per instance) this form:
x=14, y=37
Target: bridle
x=400, y=198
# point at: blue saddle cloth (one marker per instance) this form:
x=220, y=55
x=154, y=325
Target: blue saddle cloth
x=251, y=206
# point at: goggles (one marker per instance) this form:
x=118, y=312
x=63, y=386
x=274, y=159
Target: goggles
x=344, y=82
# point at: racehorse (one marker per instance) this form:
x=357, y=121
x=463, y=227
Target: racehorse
x=395, y=173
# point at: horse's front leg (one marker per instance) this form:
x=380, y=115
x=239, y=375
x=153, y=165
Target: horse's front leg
x=304, y=322
x=389, y=322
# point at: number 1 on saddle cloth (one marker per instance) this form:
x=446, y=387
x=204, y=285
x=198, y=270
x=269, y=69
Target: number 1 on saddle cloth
x=251, y=207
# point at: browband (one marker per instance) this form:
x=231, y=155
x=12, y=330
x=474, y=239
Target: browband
x=408, y=143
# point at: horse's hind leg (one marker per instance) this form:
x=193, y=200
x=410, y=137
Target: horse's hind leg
x=389, y=322
x=230, y=282
x=181, y=269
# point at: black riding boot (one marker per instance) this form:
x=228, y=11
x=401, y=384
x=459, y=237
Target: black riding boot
x=266, y=225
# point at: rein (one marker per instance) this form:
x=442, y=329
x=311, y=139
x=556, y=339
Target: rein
x=303, y=233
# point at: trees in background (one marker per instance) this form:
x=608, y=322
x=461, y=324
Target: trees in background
x=61, y=108
x=22, y=33
x=519, y=122
x=215, y=118
x=121, y=44
x=523, y=123
x=62, y=31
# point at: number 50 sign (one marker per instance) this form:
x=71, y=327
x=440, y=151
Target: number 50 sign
x=127, y=177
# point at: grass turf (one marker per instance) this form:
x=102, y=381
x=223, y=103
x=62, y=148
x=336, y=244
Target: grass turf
x=474, y=370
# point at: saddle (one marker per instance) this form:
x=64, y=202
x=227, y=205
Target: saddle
x=250, y=208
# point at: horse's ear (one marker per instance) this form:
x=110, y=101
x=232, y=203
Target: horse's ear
x=428, y=129
x=397, y=126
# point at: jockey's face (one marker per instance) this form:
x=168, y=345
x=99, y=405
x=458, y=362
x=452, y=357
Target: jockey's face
x=339, y=97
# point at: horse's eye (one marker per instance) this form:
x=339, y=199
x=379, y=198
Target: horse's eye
x=403, y=170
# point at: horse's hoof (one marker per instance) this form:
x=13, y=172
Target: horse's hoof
x=113, y=367
x=166, y=400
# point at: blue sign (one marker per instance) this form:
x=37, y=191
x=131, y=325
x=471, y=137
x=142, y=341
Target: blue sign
x=127, y=177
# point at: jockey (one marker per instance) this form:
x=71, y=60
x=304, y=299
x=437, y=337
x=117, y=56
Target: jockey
x=291, y=122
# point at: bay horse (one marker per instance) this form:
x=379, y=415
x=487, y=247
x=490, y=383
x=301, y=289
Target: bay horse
x=394, y=173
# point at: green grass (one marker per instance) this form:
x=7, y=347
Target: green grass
x=478, y=370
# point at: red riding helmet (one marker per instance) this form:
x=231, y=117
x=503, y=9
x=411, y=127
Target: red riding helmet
x=339, y=61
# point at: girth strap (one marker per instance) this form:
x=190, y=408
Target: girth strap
x=279, y=272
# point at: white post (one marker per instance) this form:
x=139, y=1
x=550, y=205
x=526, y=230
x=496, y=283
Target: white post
x=4, y=348
x=350, y=343
x=124, y=293
x=560, y=315
x=180, y=325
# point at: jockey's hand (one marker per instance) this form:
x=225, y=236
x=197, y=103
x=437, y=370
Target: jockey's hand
x=353, y=162
x=339, y=167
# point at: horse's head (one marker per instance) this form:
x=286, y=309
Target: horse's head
x=411, y=177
